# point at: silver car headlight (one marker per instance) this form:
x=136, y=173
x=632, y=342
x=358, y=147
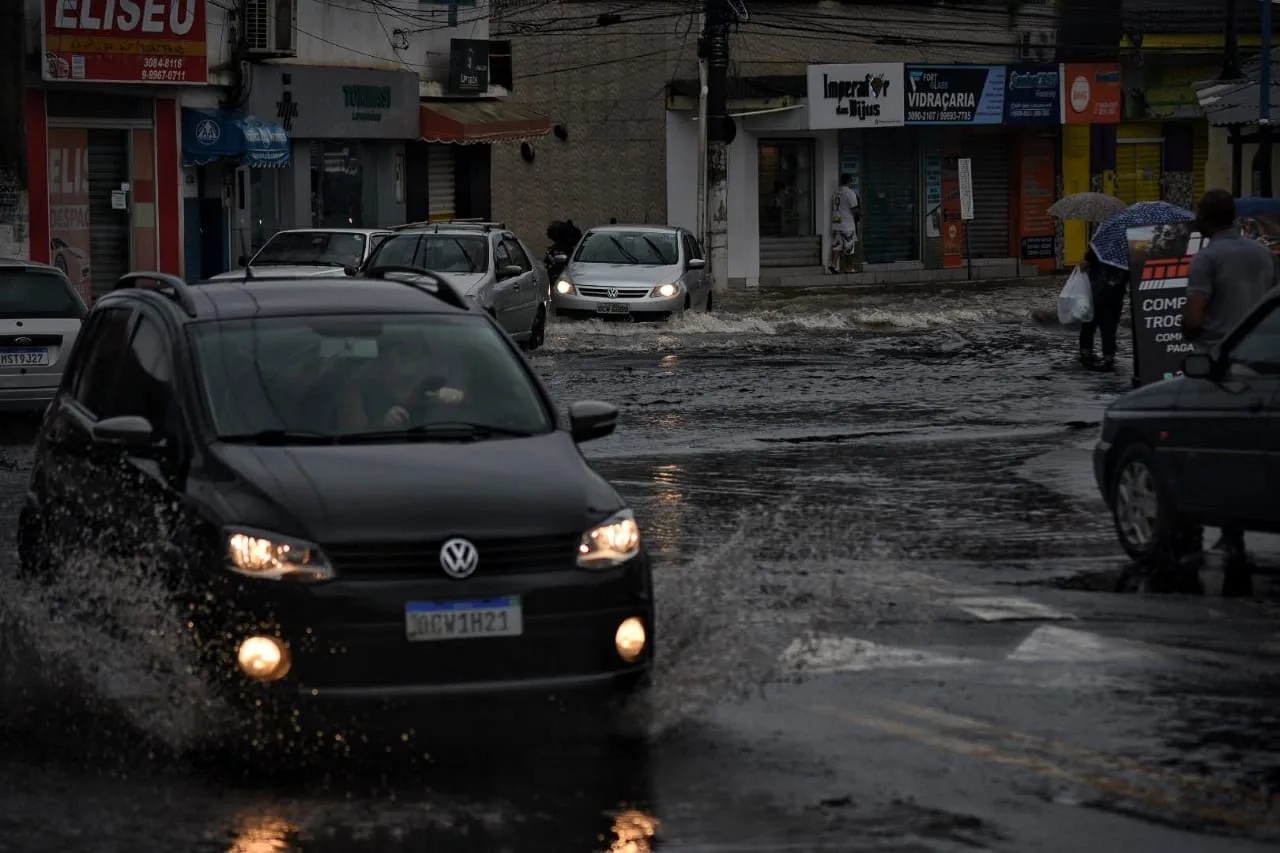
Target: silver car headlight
x=610, y=543
x=270, y=556
x=666, y=290
x=564, y=287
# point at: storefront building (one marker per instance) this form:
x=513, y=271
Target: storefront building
x=347, y=129
x=1092, y=104
x=102, y=142
x=899, y=131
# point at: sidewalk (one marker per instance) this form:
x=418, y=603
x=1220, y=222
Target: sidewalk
x=888, y=278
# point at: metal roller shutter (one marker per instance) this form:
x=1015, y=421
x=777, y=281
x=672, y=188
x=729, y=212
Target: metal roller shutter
x=989, y=229
x=109, y=237
x=1139, y=162
x=440, y=171
x=890, y=180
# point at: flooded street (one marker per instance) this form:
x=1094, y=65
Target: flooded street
x=886, y=623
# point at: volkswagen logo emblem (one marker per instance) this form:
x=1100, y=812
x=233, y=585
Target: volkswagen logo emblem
x=613, y=293
x=459, y=558
x=22, y=341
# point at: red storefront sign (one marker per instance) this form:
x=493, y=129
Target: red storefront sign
x=1092, y=94
x=126, y=41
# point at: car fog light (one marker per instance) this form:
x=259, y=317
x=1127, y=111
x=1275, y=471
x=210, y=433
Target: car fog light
x=630, y=639
x=264, y=659
x=564, y=287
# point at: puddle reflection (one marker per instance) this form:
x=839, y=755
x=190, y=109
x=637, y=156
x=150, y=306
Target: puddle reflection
x=633, y=832
x=264, y=835
x=665, y=521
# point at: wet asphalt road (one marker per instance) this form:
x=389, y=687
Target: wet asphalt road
x=886, y=625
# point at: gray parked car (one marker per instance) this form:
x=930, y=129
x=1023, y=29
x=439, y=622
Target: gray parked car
x=634, y=272
x=487, y=263
x=40, y=316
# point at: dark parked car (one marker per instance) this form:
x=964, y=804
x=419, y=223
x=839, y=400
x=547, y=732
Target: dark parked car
x=1202, y=448
x=371, y=494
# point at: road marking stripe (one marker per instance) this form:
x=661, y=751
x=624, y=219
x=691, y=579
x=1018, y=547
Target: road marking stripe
x=830, y=654
x=1048, y=768
x=1099, y=759
x=1008, y=609
x=1054, y=644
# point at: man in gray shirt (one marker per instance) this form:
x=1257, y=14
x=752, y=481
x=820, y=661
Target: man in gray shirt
x=1228, y=276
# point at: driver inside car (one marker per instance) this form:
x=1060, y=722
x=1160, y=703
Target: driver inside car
x=393, y=389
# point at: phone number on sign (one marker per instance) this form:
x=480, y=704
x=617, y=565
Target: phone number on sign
x=173, y=62
x=167, y=75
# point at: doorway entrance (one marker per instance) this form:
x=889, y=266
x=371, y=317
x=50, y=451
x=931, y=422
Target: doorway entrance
x=788, y=236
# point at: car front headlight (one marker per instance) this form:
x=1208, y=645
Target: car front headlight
x=564, y=287
x=610, y=543
x=666, y=290
x=270, y=556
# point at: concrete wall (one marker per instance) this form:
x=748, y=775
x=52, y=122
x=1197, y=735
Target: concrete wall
x=1217, y=170
x=606, y=85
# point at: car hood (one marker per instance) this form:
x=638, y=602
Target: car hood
x=464, y=282
x=282, y=271
x=421, y=491
x=1157, y=395
x=621, y=274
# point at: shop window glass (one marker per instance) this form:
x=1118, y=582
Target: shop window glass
x=337, y=184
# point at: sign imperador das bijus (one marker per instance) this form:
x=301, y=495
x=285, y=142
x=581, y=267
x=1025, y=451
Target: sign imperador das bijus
x=863, y=95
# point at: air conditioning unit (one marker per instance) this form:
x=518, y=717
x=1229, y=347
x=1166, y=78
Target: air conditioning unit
x=271, y=27
x=1037, y=45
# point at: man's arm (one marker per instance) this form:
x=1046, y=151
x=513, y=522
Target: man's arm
x=1199, y=292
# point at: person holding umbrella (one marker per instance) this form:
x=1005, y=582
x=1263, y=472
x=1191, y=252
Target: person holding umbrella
x=1107, y=283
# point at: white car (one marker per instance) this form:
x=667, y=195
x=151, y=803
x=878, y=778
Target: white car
x=485, y=262
x=40, y=317
x=308, y=252
x=633, y=272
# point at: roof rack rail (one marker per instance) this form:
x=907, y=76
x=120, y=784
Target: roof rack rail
x=444, y=291
x=436, y=224
x=171, y=286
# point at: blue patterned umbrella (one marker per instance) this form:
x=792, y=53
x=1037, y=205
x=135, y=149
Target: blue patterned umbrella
x=1110, y=242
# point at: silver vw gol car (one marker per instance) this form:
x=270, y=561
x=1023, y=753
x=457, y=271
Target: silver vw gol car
x=633, y=272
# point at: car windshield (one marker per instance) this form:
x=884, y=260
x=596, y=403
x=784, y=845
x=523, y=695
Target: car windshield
x=643, y=248
x=456, y=253
x=343, y=376
x=33, y=294
x=305, y=248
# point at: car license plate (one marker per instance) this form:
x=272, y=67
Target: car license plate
x=35, y=357
x=460, y=620
x=613, y=308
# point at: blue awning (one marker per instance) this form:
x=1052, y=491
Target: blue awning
x=209, y=135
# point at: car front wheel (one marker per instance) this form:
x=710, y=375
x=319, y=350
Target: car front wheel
x=1145, y=516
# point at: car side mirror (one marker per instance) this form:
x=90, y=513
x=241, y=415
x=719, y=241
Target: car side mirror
x=130, y=431
x=243, y=262
x=1198, y=365
x=592, y=419
x=697, y=263
x=509, y=271
x=560, y=258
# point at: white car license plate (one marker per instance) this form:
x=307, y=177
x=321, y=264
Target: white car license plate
x=34, y=357
x=460, y=620
x=613, y=308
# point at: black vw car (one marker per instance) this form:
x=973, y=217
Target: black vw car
x=361, y=491
x=1200, y=449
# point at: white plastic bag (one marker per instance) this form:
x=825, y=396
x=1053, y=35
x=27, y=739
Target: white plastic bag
x=1075, y=303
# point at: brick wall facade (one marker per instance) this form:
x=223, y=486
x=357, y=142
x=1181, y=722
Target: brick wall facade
x=606, y=85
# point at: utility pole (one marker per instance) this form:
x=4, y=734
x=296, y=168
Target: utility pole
x=720, y=133
x=1231, y=63
x=1264, y=105
x=701, y=228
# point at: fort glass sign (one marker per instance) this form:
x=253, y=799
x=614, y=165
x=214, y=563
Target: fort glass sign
x=867, y=94
x=337, y=103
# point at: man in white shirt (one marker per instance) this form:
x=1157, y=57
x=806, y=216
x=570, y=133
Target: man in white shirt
x=845, y=214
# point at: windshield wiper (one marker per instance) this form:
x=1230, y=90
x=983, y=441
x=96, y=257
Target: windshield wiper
x=443, y=431
x=279, y=437
x=657, y=250
x=623, y=249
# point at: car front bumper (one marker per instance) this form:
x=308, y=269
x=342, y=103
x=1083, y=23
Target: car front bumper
x=348, y=641
x=645, y=308
x=1101, y=476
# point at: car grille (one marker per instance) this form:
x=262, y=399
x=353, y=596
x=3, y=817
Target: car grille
x=506, y=556
x=622, y=292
